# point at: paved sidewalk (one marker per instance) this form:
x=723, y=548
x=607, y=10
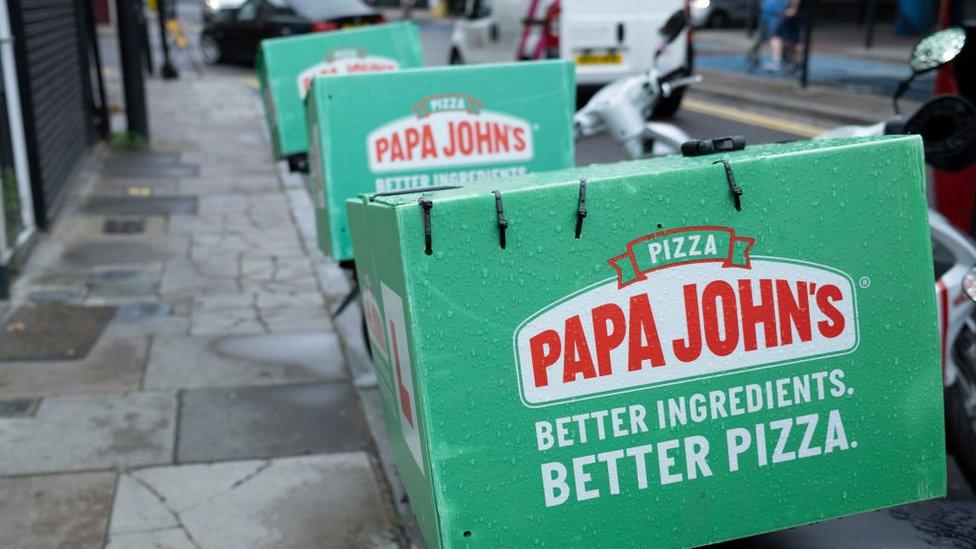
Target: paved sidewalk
x=170, y=375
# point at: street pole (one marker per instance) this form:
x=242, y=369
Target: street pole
x=144, y=39
x=811, y=7
x=130, y=55
x=752, y=18
x=101, y=108
x=168, y=71
x=871, y=19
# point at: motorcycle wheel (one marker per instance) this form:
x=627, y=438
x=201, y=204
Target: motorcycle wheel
x=666, y=108
x=455, y=57
x=210, y=50
x=369, y=347
x=961, y=427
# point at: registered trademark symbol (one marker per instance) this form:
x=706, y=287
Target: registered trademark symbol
x=865, y=282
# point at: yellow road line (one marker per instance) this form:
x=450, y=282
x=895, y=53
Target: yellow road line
x=753, y=118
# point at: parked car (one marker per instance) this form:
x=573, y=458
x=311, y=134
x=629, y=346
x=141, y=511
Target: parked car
x=719, y=13
x=212, y=8
x=608, y=40
x=235, y=34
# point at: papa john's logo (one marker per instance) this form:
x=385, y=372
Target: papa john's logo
x=345, y=61
x=684, y=304
x=449, y=130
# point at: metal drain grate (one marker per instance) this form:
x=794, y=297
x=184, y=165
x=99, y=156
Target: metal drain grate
x=23, y=407
x=52, y=331
x=135, y=205
x=124, y=226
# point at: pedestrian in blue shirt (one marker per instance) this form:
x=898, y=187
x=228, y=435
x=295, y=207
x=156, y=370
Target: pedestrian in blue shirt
x=779, y=24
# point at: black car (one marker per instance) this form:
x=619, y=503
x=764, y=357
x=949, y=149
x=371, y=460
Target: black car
x=235, y=34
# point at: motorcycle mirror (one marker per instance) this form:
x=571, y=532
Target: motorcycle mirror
x=673, y=26
x=947, y=125
x=937, y=49
x=930, y=53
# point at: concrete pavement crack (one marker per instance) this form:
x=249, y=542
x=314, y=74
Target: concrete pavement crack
x=250, y=476
x=162, y=500
x=274, y=269
x=237, y=484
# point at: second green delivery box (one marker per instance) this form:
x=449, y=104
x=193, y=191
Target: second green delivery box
x=433, y=127
x=287, y=66
x=617, y=356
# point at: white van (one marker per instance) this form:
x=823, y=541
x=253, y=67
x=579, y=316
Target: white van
x=608, y=39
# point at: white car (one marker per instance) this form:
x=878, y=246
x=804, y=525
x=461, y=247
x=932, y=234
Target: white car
x=608, y=39
x=719, y=13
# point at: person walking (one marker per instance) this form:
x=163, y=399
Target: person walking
x=779, y=27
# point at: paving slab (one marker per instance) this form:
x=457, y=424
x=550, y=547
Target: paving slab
x=150, y=170
x=322, y=501
x=113, y=251
x=270, y=203
x=123, y=282
x=297, y=318
x=52, y=331
x=230, y=223
x=262, y=422
x=227, y=321
x=88, y=226
x=69, y=510
x=148, y=318
x=141, y=205
x=261, y=244
x=196, y=277
x=90, y=432
x=137, y=186
x=143, y=158
x=266, y=359
x=112, y=365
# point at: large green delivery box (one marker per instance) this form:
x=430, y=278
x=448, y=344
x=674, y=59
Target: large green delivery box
x=681, y=373
x=287, y=66
x=433, y=127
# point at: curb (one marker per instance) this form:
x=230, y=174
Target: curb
x=737, y=90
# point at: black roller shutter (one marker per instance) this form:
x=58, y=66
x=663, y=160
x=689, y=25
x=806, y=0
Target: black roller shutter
x=55, y=91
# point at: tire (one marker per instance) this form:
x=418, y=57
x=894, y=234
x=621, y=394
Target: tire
x=455, y=57
x=585, y=92
x=718, y=20
x=961, y=430
x=369, y=347
x=210, y=49
x=667, y=108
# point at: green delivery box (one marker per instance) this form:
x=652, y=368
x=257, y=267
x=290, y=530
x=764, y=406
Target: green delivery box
x=679, y=373
x=436, y=127
x=287, y=66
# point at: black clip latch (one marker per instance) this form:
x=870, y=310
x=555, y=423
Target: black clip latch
x=735, y=188
x=581, y=207
x=502, y=222
x=425, y=206
x=701, y=147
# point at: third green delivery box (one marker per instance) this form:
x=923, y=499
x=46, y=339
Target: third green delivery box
x=667, y=369
x=433, y=127
x=287, y=66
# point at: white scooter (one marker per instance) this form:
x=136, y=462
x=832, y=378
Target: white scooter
x=947, y=125
x=622, y=108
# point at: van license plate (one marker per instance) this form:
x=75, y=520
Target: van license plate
x=608, y=58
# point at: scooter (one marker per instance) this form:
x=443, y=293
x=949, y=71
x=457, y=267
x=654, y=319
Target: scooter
x=623, y=107
x=947, y=125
